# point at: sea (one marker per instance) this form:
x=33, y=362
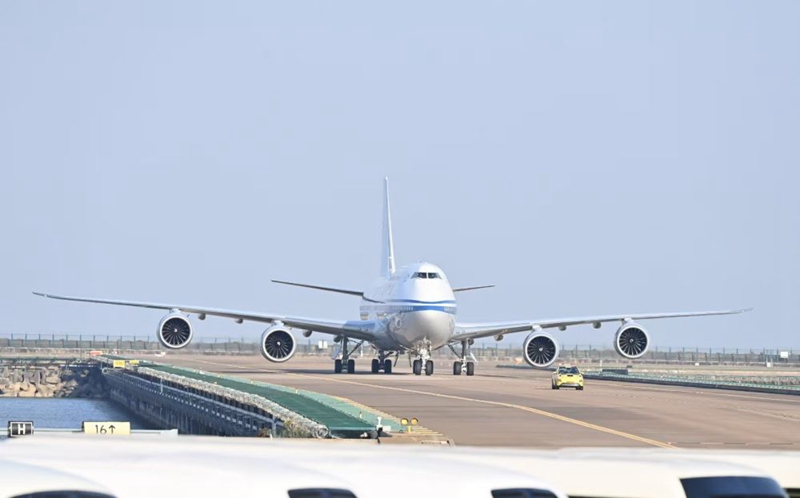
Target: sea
x=64, y=413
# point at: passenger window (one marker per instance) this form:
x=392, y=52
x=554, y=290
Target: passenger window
x=320, y=493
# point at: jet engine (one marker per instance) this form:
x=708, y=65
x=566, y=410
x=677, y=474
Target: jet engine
x=540, y=349
x=277, y=344
x=631, y=340
x=174, y=331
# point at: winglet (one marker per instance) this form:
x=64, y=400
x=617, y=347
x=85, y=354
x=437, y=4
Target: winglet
x=387, y=258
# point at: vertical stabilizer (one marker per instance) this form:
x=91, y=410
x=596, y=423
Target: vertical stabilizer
x=387, y=256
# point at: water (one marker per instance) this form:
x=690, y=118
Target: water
x=64, y=413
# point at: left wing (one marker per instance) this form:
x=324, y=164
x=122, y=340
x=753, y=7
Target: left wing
x=479, y=330
x=322, y=288
x=356, y=329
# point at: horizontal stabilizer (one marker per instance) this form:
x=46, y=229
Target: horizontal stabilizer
x=462, y=289
x=318, y=287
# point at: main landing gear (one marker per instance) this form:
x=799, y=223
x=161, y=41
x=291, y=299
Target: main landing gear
x=383, y=362
x=463, y=365
x=339, y=364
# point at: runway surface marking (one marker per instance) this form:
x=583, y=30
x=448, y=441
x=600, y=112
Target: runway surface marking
x=528, y=409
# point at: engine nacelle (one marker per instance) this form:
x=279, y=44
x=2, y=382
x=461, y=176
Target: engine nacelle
x=540, y=349
x=277, y=344
x=174, y=331
x=631, y=341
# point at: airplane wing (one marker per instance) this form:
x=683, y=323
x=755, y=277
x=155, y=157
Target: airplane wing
x=355, y=329
x=319, y=287
x=478, y=330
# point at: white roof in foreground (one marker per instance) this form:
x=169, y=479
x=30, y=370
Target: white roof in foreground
x=215, y=467
x=245, y=467
x=21, y=479
x=784, y=466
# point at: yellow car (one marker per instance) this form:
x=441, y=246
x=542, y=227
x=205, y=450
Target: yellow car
x=567, y=376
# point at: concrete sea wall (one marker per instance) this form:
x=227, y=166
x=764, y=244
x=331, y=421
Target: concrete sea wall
x=52, y=381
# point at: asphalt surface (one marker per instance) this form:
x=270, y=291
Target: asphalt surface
x=517, y=407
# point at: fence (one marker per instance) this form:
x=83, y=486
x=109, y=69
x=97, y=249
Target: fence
x=482, y=351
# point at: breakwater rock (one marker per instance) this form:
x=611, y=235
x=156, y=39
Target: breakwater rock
x=54, y=381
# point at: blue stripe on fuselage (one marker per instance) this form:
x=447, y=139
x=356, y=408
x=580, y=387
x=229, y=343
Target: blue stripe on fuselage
x=414, y=301
x=404, y=308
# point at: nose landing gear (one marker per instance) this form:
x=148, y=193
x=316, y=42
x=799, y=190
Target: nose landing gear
x=422, y=362
x=417, y=366
x=421, y=365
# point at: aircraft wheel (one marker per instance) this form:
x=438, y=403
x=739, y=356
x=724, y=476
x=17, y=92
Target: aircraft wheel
x=417, y=367
x=376, y=365
x=337, y=366
x=470, y=369
x=429, y=367
x=457, y=368
x=351, y=366
x=387, y=366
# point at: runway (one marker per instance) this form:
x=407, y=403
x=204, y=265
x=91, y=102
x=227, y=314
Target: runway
x=510, y=407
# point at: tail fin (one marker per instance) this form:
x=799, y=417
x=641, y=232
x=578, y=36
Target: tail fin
x=387, y=257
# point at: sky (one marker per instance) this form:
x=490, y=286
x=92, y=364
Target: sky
x=585, y=157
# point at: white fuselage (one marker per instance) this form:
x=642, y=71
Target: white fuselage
x=415, y=306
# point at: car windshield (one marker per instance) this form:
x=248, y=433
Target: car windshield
x=572, y=370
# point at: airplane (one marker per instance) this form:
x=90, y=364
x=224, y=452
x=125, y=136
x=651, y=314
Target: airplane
x=409, y=310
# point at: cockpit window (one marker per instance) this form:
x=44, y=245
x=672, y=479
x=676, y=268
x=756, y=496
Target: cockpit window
x=422, y=274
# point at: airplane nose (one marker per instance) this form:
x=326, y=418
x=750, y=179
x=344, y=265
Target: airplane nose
x=435, y=326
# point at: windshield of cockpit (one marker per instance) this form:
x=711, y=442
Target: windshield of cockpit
x=430, y=275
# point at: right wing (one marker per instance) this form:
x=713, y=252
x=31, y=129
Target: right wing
x=466, y=331
x=464, y=289
x=356, y=329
